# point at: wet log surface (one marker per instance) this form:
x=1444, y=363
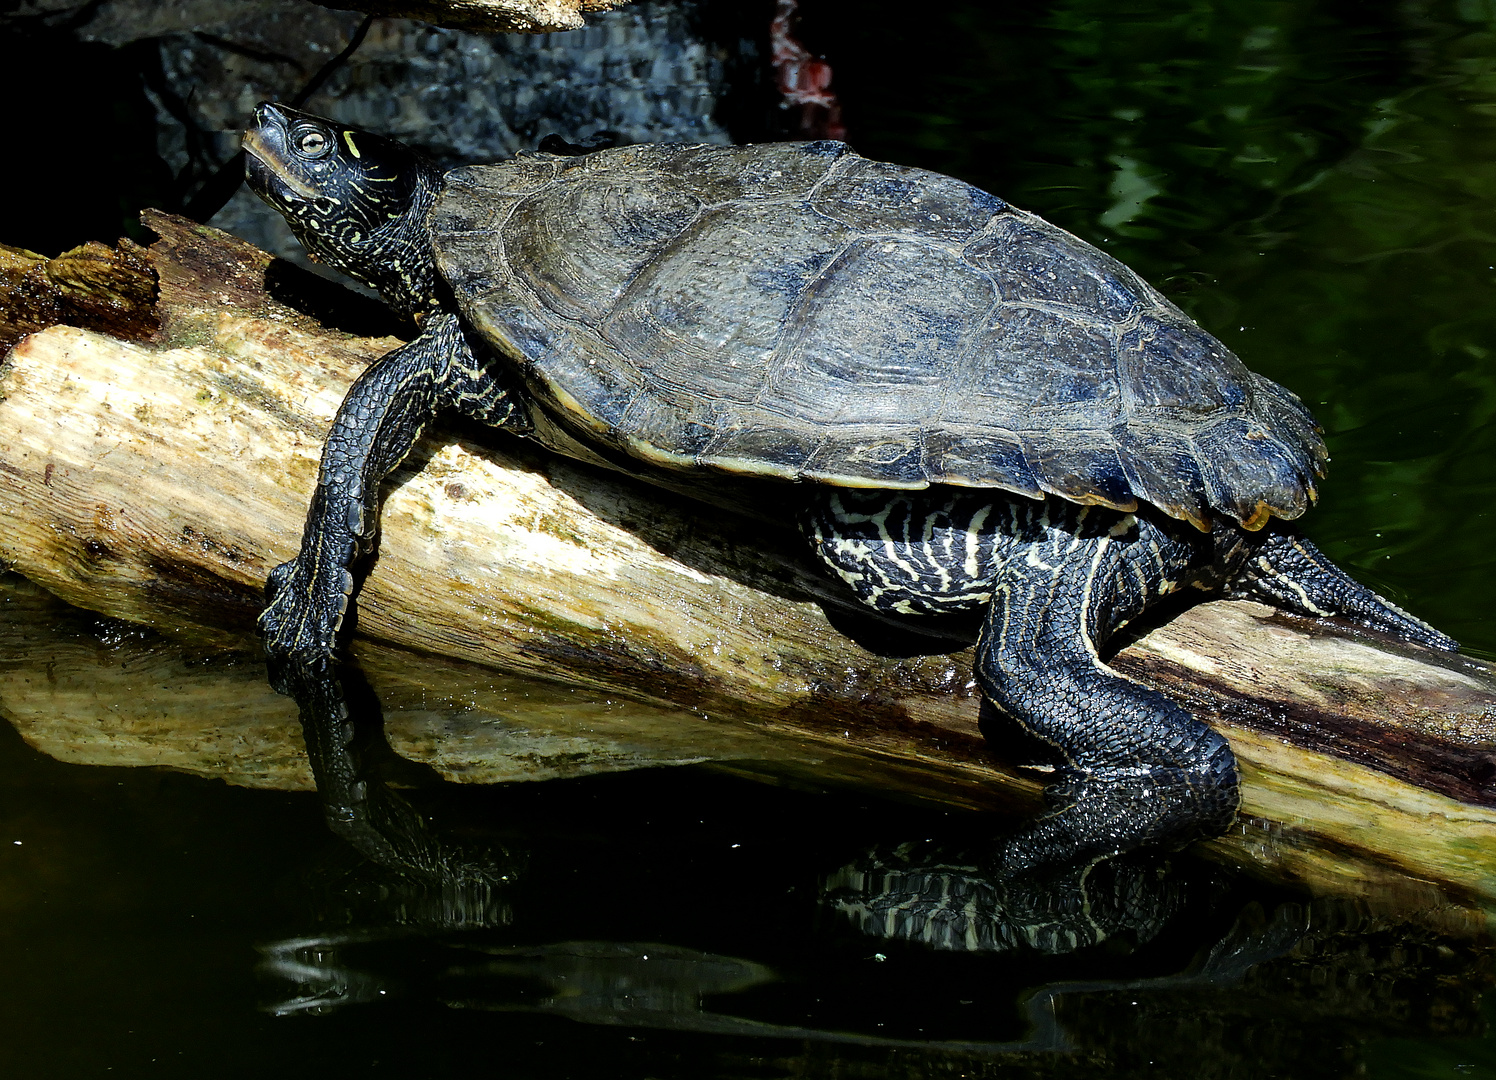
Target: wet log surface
x=159, y=481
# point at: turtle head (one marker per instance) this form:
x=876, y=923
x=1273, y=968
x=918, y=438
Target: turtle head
x=357, y=201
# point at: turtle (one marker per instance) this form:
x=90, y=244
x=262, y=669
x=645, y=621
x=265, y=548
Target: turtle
x=964, y=408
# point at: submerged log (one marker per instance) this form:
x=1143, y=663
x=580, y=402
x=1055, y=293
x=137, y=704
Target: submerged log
x=160, y=482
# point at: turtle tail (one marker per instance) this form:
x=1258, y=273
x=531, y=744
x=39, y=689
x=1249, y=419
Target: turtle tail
x=1289, y=572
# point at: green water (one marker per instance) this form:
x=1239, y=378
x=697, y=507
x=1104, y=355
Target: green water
x=1314, y=182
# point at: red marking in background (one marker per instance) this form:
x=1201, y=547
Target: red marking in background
x=804, y=80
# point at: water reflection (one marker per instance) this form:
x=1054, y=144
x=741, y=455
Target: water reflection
x=940, y=896
x=1322, y=975
x=360, y=806
x=737, y=929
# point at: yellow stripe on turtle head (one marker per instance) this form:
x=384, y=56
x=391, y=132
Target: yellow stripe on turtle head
x=348, y=138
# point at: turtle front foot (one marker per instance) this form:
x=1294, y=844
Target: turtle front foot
x=304, y=611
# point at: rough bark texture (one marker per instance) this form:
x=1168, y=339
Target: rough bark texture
x=111, y=290
x=160, y=482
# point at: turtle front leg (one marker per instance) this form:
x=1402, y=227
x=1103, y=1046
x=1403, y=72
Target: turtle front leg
x=480, y=390
x=1134, y=768
x=377, y=424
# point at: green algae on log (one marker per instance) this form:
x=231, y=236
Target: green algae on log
x=109, y=289
x=159, y=482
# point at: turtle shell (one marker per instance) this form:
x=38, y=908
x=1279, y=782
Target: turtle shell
x=796, y=310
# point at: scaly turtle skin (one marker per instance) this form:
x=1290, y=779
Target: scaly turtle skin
x=972, y=409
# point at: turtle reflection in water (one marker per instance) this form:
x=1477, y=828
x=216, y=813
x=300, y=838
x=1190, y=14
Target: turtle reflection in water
x=969, y=407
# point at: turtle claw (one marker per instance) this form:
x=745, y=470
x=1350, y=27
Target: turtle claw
x=302, y=613
x=275, y=582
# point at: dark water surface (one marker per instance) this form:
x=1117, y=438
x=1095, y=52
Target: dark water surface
x=1316, y=184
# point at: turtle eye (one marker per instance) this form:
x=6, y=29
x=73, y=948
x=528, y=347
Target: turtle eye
x=312, y=144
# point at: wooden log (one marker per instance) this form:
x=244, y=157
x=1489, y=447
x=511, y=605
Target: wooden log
x=160, y=482
x=487, y=16
x=111, y=290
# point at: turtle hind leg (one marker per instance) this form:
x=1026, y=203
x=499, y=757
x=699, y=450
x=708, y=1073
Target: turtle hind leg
x=1137, y=770
x=1056, y=580
x=1289, y=572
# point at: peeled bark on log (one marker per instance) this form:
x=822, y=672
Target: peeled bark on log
x=111, y=290
x=159, y=483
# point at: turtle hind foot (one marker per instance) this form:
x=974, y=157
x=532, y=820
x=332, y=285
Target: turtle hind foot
x=1289, y=572
x=1101, y=814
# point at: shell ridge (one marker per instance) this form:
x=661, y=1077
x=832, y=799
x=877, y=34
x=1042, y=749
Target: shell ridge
x=967, y=360
x=627, y=299
x=849, y=163
x=813, y=289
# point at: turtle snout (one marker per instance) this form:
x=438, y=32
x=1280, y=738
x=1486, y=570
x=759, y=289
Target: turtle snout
x=268, y=113
x=270, y=129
